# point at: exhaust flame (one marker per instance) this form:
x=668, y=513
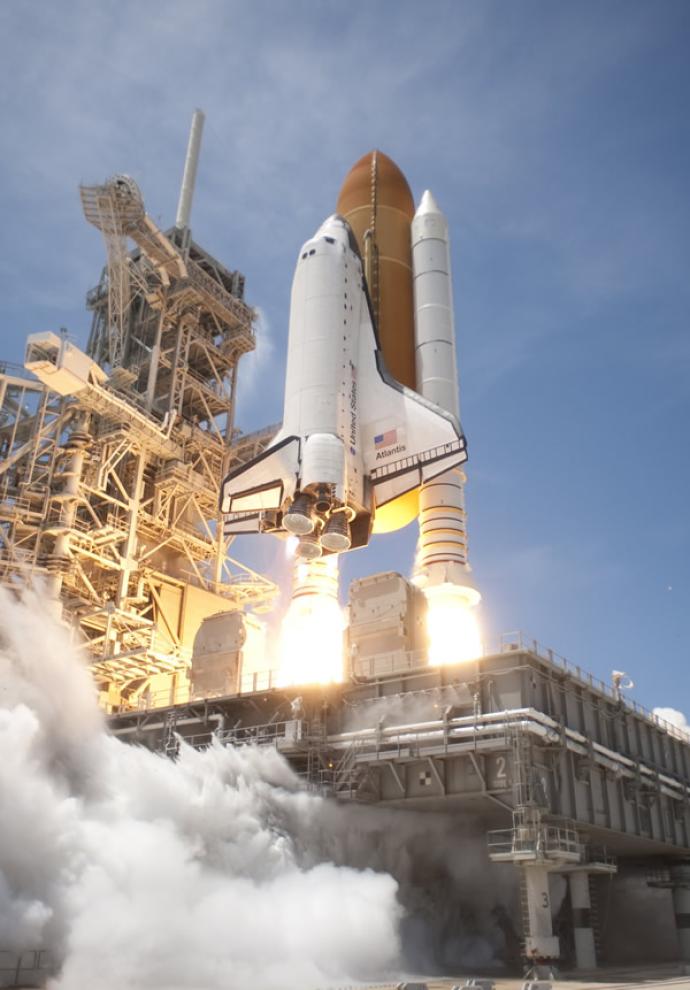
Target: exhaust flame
x=311, y=639
x=452, y=627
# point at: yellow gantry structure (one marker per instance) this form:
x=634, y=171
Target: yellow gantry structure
x=110, y=460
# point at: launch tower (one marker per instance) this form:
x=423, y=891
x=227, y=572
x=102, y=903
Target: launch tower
x=111, y=459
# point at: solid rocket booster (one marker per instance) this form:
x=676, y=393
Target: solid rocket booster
x=442, y=549
x=436, y=375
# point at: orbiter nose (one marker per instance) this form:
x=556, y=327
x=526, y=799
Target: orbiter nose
x=336, y=227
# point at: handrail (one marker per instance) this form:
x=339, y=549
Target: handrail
x=381, y=665
x=14, y=370
x=519, y=642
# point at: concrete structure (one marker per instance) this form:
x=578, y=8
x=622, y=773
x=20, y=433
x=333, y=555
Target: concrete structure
x=585, y=948
x=386, y=625
x=564, y=775
x=676, y=878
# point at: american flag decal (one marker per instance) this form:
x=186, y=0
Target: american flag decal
x=386, y=439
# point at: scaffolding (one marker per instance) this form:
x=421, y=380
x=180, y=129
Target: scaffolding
x=110, y=461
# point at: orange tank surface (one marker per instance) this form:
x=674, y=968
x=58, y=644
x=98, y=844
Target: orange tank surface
x=377, y=203
x=376, y=200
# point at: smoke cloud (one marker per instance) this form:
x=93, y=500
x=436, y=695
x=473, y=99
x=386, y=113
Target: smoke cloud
x=459, y=907
x=405, y=709
x=139, y=872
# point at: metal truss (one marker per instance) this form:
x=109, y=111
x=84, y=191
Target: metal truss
x=109, y=491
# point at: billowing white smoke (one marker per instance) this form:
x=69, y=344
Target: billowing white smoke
x=406, y=709
x=138, y=872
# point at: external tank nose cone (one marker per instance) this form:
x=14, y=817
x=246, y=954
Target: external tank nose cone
x=375, y=177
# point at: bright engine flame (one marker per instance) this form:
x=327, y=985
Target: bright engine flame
x=311, y=638
x=452, y=627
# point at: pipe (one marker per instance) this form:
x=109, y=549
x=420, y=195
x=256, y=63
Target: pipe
x=184, y=206
x=509, y=714
x=152, y=726
x=154, y=361
x=526, y=718
x=506, y=718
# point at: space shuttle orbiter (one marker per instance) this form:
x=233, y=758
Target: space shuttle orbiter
x=353, y=439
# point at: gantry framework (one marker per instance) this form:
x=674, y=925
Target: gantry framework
x=111, y=460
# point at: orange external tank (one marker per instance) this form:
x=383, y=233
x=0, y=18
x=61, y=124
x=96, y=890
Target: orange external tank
x=376, y=201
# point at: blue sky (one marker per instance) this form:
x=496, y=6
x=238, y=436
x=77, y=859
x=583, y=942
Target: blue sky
x=554, y=135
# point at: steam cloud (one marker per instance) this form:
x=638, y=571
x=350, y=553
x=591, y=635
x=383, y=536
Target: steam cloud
x=137, y=872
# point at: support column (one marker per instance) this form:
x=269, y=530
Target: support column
x=680, y=878
x=129, y=563
x=541, y=945
x=154, y=361
x=585, y=949
x=68, y=479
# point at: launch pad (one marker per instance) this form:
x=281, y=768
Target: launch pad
x=110, y=481
x=561, y=773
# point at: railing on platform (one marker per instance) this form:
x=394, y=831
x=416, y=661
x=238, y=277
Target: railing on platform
x=26, y=969
x=387, y=664
x=526, y=842
x=259, y=680
x=399, y=662
x=281, y=735
x=518, y=642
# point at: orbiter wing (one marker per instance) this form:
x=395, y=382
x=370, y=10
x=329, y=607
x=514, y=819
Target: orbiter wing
x=260, y=485
x=406, y=439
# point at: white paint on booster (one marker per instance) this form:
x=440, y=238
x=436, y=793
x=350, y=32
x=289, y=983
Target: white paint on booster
x=442, y=549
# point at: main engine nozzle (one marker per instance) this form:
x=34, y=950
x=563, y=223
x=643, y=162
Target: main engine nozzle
x=309, y=547
x=336, y=534
x=299, y=518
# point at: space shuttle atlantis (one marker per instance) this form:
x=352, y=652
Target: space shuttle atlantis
x=353, y=439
